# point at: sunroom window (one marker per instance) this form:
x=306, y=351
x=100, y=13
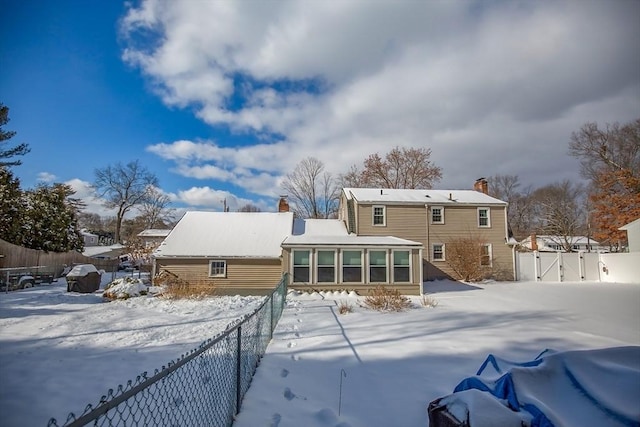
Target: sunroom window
x=301, y=266
x=401, y=270
x=326, y=266
x=352, y=266
x=378, y=266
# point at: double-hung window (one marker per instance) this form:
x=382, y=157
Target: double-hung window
x=378, y=266
x=379, y=215
x=401, y=269
x=437, y=252
x=301, y=266
x=352, y=266
x=437, y=215
x=485, y=255
x=217, y=268
x=484, y=218
x=326, y=266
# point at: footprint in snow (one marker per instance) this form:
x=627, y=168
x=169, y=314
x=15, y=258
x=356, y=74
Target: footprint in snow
x=275, y=420
x=284, y=373
x=291, y=344
x=288, y=394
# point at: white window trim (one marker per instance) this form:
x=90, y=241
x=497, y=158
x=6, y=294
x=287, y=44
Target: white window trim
x=441, y=214
x=488, y=217
x=384, y=215
x=490, y=255
x=317, y=264
x=224, y=273
x=393, y=266
x=386, y=266
x=444, y=257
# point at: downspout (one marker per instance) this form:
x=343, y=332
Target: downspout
x=428, y=248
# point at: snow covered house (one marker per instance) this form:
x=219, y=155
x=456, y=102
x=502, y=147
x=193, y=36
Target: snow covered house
x=548, y=243
x=433, y=218
x=633, y=235
x=237, y=252
x=152, y=237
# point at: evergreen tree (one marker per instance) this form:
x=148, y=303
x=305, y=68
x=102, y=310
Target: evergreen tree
x=5, y=136
x=11, y=207
x=51, y=219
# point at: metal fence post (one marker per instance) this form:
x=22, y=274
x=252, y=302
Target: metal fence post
x=271, y=323
x=238, y=369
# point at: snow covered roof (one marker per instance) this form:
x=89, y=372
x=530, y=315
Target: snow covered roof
x=431, y=197
x=228, y=234
x=630, y=225
x=103, y=251
x=155, y=232
x=333, y=232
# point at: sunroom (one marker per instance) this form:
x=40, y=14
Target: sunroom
x=325, y=257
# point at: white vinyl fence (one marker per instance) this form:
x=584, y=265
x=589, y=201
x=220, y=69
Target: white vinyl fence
x=578, y=267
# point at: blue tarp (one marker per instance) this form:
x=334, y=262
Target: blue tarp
x=558, y=389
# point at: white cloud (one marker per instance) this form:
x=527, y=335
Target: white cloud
x=46, y=177
x=84, y=192
x=491, y=87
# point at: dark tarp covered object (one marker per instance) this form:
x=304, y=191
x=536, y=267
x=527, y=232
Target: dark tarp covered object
x=83, y=278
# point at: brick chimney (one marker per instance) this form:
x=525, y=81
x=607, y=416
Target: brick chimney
x=481, y=185
x=283, y=205
x=534, y=242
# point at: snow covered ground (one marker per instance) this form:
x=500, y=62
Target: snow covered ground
x=60, y=351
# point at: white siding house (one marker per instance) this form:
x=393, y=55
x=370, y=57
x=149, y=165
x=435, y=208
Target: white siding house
x=633, y=235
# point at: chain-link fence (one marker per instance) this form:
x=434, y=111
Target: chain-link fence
x=203, y=388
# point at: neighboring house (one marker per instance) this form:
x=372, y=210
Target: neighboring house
x=90, y=239
x=633, y=235
x=321, y=254
x=546, y=243
x=433, y=218
x=104, y=252
x=237, y=252
x=152, y=237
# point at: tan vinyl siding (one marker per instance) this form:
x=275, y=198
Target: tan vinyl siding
x=461, y=222
x=244, y=276
x=405, y=222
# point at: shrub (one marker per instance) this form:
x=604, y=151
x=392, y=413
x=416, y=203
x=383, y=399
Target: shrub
x=175, y=287
x=428, y=301
x=382, y=298
x=466, y=258
x=345, y=307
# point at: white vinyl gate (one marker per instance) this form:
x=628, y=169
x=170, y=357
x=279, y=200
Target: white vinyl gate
x=558, y=266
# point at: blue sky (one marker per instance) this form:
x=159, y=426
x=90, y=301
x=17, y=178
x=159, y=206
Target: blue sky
x=221, y=99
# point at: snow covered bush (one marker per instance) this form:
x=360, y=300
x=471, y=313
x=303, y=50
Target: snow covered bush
x=176, y=287
x=382, y=298
x=125, y=287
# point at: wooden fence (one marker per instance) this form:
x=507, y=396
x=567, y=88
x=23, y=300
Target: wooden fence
x=13, y=256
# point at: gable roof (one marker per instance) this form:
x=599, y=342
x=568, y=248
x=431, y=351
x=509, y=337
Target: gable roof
x=431, y=197
x=333, y=232
x=630, y=225
x=227, y=234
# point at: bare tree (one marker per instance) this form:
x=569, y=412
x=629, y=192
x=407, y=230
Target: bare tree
x=400, y=168
x=249, y=208
x=312, y=191
x=155, y=209
x=519, y=210
x=123, y=187
x=614, y=148
x=610, y=159
x=560, y=211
